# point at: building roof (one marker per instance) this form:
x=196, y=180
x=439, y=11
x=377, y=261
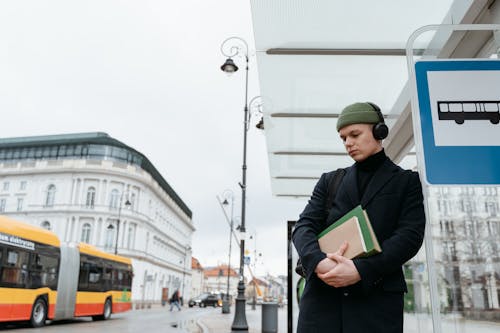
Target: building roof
x=259, y=282
x=221, y=270
x=95, y=138
x=195, y=264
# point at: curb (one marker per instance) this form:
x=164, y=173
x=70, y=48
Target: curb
x=204, y=328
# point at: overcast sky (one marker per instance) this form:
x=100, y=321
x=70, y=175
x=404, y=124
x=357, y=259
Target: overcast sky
x=148, y=73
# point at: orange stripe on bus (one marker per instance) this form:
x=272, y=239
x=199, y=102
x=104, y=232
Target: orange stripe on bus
x=89, y=309
x=52, y=311
x=20, y=311
x=121, y=307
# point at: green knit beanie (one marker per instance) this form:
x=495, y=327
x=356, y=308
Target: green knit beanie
x=357, y=113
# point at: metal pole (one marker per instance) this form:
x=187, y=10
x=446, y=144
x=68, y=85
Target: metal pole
x=254, y=300
x=230, y=243
x=240, y=320
x=118, y=223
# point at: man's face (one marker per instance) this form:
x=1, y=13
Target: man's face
x=359, y=141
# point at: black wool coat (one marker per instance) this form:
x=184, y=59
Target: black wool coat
x=394, y=203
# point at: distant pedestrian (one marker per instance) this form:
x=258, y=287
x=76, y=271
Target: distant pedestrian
x=174, y=300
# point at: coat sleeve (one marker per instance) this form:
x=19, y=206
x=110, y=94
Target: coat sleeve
x=309, y=225
x=404, y=242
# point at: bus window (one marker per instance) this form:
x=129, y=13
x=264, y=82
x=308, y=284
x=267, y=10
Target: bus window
x=107, y=278
x=83, y=280
x=50, y=274
x=95, y=274
x=16, y=269
x=95, y=277
x=91, y=275
x=43, y=272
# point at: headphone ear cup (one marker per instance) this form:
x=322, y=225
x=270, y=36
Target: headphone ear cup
x=380, y=131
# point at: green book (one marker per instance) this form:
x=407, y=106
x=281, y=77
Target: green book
x=355, y=228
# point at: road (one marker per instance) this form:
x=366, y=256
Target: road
x=156, y=319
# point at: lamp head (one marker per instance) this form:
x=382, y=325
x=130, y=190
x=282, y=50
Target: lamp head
x=229, y=66
x=260, y=124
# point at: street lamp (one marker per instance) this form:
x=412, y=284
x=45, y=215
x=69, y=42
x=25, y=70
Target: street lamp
x=225, y=305
x=240, y=320
x=255, y=106
x=254, y=237
x=186, y=249
x=127, y=203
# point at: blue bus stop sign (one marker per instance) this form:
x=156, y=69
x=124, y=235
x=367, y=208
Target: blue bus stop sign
x=459, y=109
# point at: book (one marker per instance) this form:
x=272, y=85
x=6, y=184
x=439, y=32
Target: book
x=355, y=228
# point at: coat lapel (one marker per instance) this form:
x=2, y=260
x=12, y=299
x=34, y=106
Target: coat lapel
x=379, y=179
x=351, y=185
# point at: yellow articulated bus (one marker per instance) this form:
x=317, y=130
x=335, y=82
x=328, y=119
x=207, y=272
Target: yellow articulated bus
x=42, y=278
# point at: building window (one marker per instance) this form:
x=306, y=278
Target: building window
x=46, y=225
x=5, y=186
x=90, y=197
x=113, y=200
x=131, y=236
x=132, y=201
x=51, y=194
x=86, y=229
x=110, y=233
x=20, y=202
x=22, y=185
x=2, y=204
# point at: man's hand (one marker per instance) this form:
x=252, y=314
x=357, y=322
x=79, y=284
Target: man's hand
x=343, y=274
x=324, y=266
x=327, y=264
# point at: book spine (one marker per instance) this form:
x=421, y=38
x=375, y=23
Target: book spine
x=367, y=238
x=363, y=243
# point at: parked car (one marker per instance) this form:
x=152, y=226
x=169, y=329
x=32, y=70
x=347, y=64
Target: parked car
x=204, y=300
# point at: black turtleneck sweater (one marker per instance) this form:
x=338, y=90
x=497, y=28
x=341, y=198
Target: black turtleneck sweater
x=366, y=169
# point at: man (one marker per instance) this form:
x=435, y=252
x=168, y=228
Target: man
x=174, y=301
x=363, y=294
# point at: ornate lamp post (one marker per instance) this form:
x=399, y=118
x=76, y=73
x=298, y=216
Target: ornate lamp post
x=226, y=303
x=186, y=249
x=127, y=204
x=239, y=47
x=254, y=237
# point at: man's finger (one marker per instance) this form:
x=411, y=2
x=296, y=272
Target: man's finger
x=342, y=248
x=338, y=258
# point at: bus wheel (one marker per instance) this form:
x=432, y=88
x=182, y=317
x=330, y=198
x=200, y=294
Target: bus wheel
x=106, y=313
x=38, y=313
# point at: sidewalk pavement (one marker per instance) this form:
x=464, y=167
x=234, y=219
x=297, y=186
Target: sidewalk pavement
x=221, y=322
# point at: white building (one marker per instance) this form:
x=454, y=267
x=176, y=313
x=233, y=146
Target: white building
x=466, y=240
x=221, y=278
x=197, y=278
x=92, y=188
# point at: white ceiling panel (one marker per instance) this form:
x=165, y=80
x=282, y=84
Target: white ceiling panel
x=314, y=58
x=341, y=23
x=325, y=84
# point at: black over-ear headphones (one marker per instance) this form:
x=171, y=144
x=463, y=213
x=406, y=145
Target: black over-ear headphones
x=380, y=129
